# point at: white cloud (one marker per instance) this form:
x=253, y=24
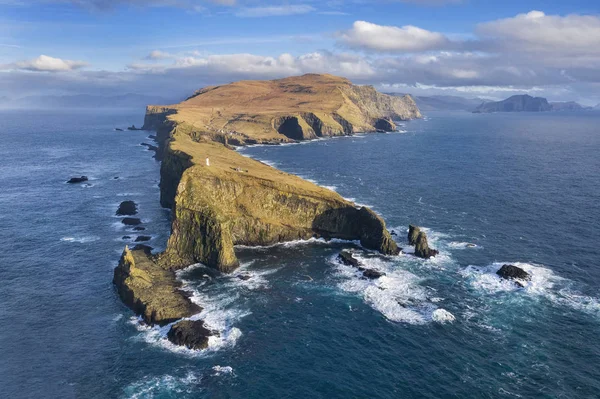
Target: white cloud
x=158, y=55
x=44, y=63
x=370, y=36
x=536, y=31
x=274, y=11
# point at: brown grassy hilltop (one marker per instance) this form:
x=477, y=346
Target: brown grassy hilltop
x=237, y=200
x=283, y=110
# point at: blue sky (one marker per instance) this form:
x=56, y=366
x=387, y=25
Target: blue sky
x=470, y=47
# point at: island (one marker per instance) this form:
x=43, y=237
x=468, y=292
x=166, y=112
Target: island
x=220, y=198
x=518, y=103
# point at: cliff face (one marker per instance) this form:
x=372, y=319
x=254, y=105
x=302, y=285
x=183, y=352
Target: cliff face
x=235, y=200
x=519, y=103
x=216, y=209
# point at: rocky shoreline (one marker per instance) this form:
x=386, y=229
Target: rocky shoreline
x=220, y=198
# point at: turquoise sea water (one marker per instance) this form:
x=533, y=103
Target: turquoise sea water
x=525, y=188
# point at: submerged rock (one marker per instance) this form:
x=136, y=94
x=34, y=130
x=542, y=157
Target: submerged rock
x=371, y=273
x=139, y=228
x=127, y=208
x=244, y=277
x=142, y=238
x=118, y=129
x=413, y=233
x=79, y=179
x=190, y=333
x=131, y=221
x=348, y=259
x=422, y=249
x=511, y=272
x=150, y=146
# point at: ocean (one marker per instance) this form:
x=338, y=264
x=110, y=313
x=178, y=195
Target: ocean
x=523, y=188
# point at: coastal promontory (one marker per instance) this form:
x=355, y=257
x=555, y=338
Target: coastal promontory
x=220, y=198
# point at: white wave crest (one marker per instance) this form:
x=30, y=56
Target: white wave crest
x=222, y=370
x=442, y=316
x=80, y=239
x=543, y=283
x=150, y=387
x=398, y=295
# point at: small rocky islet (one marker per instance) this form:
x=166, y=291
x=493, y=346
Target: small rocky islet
x=220, y=198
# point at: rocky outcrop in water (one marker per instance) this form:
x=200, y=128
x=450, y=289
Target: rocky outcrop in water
x=413, y=234
x=348, y=259
x=422, y=249
x=131, y=221
x=80, y=179
x=514, y=273
x=190, y=333
x=151, y=290
x=127, y=208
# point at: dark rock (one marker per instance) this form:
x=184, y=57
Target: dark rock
x=131, y=221
x=413, y=233
x=393, y=233
x=132, y=127
x=146, y=248
x=384, y=125
x=127, y=208
x=244, y=277
x=126, y=237
x=371, y=273
x=347, y=259
x=150, y=146
x=116, y=178
x=511, y=272
x=422, y=249
x=118, y=129
x=139, y=228
x=142, y=238
x=80, y=179
x=189, y=333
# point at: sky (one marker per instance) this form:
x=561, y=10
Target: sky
x=170, y=48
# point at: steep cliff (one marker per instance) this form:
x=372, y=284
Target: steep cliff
x=237, y=200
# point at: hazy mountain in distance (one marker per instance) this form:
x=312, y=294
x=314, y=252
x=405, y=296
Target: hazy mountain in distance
x=567, y=106
x=445, y=103
x=518, y=103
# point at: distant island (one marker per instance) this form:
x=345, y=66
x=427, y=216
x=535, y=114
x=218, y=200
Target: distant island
x=220, y=198
x=518, y=103
x=527, y=103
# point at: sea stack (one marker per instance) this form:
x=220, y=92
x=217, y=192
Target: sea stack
x=422, y=249
x=413, y=233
